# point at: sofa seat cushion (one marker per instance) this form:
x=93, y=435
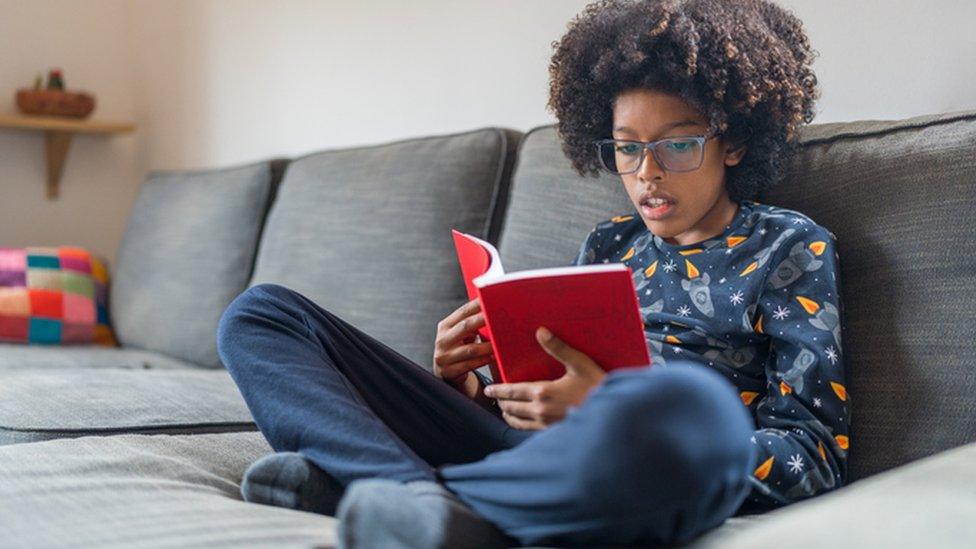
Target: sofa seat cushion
x=156, y=491
x=18, y=356
x=143, y=491
x=926, y=503
x=51, y=403
x=366, y=232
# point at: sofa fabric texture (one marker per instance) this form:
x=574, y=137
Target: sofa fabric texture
x=365, y=232
x=146, y=492
x=187, y=251
x=899, y=197
x=70, y=403
x=14, y=356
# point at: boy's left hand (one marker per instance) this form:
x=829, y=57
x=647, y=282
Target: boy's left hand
x=537, y=404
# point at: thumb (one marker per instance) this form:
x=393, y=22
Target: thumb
x=575, y=361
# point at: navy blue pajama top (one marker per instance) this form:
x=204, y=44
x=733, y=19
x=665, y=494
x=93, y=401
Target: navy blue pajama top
x=759, y=303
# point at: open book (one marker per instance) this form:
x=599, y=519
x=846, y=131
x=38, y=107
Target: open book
x=593, y=308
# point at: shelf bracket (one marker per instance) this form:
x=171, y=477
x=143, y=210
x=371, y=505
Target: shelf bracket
x=56, y=145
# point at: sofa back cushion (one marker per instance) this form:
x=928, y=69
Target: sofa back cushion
x=366, y=232
x=898, y=195
x=186, y=253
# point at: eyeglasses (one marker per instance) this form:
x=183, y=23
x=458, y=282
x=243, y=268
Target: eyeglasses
x=673, y=154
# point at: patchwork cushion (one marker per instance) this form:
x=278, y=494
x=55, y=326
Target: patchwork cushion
x=51, y=403
x=366, y=232
x=187, y=251
x=53, y=295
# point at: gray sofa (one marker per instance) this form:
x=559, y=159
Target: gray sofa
x=144, y=445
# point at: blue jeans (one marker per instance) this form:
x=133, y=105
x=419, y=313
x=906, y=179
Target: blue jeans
x=652, y=455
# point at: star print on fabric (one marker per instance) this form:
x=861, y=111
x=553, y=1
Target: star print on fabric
x=617, y=238
x=736, y=298
x=684, y=310
x=795, y=463
x=762, y=231
x=817, y=403
x=728, y=252
x=831, y=354
x=670, y=266
x=799, y=221
x=781, y=312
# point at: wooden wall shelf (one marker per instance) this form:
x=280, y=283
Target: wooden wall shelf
x=58, y=132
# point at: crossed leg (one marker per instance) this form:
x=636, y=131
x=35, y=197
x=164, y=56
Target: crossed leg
x=653, y=454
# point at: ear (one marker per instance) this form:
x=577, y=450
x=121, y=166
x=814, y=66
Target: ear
x=734, y=153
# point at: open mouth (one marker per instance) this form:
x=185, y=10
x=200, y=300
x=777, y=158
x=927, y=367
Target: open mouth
x=656, y=208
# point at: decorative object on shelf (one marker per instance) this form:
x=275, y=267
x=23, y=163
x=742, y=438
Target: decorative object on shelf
x=55, y=100
x=54, y=80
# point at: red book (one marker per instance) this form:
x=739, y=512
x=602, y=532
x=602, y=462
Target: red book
x=593, y=308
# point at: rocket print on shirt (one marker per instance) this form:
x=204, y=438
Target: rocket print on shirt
x=761, y=304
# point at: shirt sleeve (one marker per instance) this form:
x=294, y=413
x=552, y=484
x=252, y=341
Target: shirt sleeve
x=803, y=419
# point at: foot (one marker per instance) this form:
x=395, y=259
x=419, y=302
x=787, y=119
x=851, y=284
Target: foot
x=388, y=513
x=287, y=479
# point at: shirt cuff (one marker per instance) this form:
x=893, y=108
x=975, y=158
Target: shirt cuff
x=485, y=380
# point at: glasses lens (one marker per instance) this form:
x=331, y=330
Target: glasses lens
x=680, y=154
x=620, y=156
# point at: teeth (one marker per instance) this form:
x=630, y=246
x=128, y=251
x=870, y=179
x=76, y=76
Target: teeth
x=655, y=202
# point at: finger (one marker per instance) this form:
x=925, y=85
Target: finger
x=452, y=371
x=467, y=352
x=520, y=409
x=511, y=391
x=467, y=326
x=461, y=312
x=573, y=359
x=520, y=423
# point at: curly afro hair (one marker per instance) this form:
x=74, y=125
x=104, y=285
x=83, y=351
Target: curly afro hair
x=744, y=64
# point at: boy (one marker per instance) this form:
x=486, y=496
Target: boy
x=694, y=105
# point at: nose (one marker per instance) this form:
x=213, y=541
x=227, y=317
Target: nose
x=650, y=170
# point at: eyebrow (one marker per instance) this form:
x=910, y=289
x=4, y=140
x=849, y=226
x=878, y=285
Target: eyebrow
x=666, y=127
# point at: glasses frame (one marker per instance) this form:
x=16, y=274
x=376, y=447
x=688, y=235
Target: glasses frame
x=650, y=145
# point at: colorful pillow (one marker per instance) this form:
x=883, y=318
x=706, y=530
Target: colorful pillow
x=53, y=295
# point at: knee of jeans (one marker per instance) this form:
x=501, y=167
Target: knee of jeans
x=684, y=425
x=256, y=300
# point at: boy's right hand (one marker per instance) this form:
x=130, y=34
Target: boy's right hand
x=456, y=353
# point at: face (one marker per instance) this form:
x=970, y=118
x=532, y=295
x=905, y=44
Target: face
x=700, y=206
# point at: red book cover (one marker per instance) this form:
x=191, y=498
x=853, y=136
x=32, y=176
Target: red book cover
x=593, y=308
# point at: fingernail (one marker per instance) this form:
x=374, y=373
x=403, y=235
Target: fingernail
x=544, y=334
x=488, y=391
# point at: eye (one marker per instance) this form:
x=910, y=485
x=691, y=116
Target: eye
x=628, y=148
x=681, y=145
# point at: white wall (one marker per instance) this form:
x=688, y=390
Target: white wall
x=219, y=82
x=90, y=41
